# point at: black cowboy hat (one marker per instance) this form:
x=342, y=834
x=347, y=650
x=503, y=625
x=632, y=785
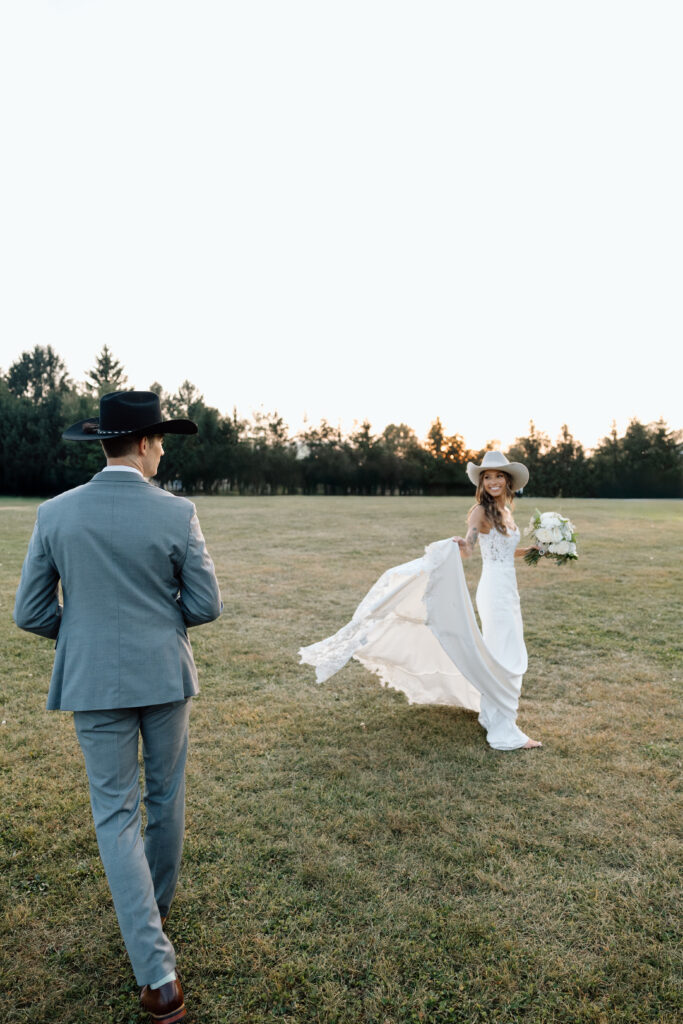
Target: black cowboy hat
x=127, y=412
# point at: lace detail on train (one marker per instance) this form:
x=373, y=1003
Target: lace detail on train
x=416, y=629
x=499, y=548
x=331, y=654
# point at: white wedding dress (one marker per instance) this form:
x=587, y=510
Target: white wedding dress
x=416, y=629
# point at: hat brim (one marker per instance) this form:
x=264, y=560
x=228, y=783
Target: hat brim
x=518, y=472
x=76, y=432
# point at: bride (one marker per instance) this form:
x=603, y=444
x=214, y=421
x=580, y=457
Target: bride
x=416, y=627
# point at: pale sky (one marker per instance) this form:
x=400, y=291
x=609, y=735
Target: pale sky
x=381, y=209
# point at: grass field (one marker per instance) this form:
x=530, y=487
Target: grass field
x=350, y=858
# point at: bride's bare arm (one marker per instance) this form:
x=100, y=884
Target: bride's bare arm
x=475, y=524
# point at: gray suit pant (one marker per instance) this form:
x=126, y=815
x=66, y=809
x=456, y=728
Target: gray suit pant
x=142, y=876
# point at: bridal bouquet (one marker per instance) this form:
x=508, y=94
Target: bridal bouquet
x=555, y=536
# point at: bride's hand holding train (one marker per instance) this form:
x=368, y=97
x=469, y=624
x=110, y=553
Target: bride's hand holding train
x=476, y=524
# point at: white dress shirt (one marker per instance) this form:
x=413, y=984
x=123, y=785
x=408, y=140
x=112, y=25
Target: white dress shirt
x=122, y=469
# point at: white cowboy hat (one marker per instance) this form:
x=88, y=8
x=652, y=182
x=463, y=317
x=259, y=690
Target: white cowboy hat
x=496, y=460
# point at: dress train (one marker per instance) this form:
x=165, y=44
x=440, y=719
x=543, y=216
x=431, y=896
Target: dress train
x=417, y=630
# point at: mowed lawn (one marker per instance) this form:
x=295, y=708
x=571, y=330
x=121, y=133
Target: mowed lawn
x=350, y=858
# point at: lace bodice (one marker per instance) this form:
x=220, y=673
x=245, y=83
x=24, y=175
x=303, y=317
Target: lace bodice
x=498, y=549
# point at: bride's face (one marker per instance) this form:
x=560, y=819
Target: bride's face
x=494, y=483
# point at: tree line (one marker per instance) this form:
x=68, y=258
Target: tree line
x=230, y=454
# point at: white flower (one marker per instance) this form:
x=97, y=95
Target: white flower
x=550, y=519
x=543, y=536
x=553, y=549
x=556, y=534
x=572, y=548
x=562, y=547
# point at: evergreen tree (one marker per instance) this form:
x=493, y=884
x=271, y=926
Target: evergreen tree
x=38, y=375
x=405, y=460
x=454, y=450
x=445, y=471
x=436, y=438
x=181, y=404
x=365, y=451
x=666, y=460
x=274, y=455
x=605, y=463
x=106, y=375
x=184, y=464
x=645, y=462
x=532, y=451
x=565, y=467
x=31, y=448
x=325, y=461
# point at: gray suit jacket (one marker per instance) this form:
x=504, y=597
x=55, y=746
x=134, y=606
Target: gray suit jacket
x=135, y=573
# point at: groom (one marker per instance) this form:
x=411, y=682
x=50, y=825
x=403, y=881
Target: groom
x=135, y=573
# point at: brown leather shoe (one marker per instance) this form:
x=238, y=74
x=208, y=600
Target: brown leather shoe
x=165, y=1004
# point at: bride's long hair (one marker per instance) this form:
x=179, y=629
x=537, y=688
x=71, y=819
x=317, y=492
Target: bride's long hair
x=490, y=505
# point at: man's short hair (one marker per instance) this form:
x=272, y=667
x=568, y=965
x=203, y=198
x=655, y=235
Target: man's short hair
x=117, y=447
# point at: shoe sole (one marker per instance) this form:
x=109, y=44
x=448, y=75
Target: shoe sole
x=170, y=1018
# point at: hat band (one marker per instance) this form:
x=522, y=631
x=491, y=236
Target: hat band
x=94, y=428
